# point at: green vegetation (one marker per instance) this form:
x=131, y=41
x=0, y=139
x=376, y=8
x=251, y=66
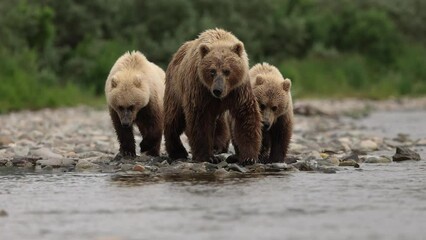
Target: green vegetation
x=58, y=53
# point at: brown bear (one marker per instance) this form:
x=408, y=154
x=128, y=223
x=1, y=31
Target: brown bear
x=206, y=77
x=134, y=91
x=273, y=95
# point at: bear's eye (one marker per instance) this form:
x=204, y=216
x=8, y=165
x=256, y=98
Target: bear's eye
x=212, y=72
x=226, y=72
x=262, y=106
x=274, y=108
x=131, y=107
x=121, y=108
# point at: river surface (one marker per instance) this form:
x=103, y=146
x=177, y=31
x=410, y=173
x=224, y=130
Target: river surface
x=377, y=201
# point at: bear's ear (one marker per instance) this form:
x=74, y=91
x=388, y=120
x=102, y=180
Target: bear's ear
x=113, y=82
x=137, y=81
x=204, y=49
x=238, y=48
x=287, y=84
x=259, y=80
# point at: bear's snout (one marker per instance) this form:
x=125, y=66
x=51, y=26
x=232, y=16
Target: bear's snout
x=218, y=87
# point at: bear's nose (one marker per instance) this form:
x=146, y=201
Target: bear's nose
x=217, y=92
x=266, y=125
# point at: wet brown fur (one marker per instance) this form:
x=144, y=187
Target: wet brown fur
x=190, y=106
x=272, y=90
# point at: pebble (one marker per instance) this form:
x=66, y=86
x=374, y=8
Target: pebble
x=377, y=159
x=349, y=163
x=5, y=140
x=237, y=168
x=3, y=213
x=43, y=140
x=45, y=153
x=404, y=153
x=84, y=165
x=138, y=168
x=368, y=146
x=55, y=163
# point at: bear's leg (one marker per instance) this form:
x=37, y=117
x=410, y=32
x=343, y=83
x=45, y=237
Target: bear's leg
x=247, y=126
x=222, y=135
x=174, y=125
x=200, y=132
x=150, y=123
x=266, y=147
x=125, y=136
x=280, y=139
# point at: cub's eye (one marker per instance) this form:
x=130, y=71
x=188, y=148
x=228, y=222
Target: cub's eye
x=226, y=72
x=121, y=108
x=212, y=72
x=262, y=106
x=131, y=107
x=274, y=108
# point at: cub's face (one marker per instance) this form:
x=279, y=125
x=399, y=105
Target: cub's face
x=222, y=68
x=273, y=97
x=127, y=96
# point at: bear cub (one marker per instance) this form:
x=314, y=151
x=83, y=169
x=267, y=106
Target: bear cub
x=134, y=92
x=273, y=95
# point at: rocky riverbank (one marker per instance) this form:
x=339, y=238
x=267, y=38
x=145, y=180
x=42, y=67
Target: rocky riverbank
x=327, y=138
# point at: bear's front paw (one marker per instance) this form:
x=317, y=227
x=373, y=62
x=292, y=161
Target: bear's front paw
x=215, y=159
x=232, y=159
x=247, y=161
x=124, y=155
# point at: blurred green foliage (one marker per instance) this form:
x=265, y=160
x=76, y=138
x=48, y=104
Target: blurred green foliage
x=55, y=53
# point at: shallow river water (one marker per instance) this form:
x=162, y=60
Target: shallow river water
x=377, y=201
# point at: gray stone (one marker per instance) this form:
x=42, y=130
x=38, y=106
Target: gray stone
x=349, y=163
x=237, y=168
x=377, y=159
x=404, y=153
x=84, y=165
x=21, y=151
x=5, y=141
x=45, y=153
x=3, y=213
x=57, y=162
x=368, y=146
x=353, y=156
x=126, y=167
x=221, y=172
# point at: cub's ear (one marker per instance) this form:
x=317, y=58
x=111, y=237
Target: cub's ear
x=238, y=48
x=259, y=80
x=287, y=84
x=137, y=81
x=114, y=82
x=204, y=50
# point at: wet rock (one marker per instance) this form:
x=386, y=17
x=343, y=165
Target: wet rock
x=404, y=153
x=3, y=162
x=349, y=163
x=84, y=165
x=221, y=172
x=368, y=146
x=308, y=165
x=421, y=142
x=237, y=168
x=377, y=159
x=55, y=163
x=45, y=153
x=100, y=159
x=222, y=164
x=5, y=140
x=21, y=151
x=138, y=168
x=333, y=161
x=126, y=167
x=3, y=213
x=353, y=156
x=297, y=148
